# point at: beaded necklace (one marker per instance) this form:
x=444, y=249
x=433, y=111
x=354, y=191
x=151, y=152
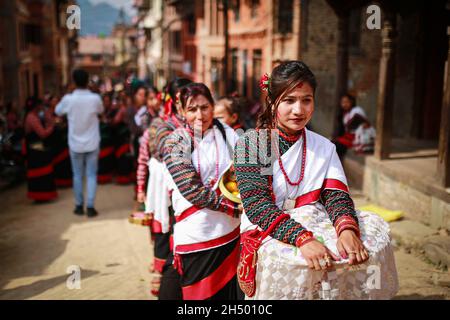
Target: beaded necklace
x=302, y=170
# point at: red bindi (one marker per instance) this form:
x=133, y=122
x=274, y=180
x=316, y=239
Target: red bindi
x=300, y=85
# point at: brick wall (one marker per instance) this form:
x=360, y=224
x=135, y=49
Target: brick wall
x=405, y=74
x=320, y=55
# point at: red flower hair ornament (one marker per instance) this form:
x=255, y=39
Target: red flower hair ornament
x=264, y=82
x=168, y=101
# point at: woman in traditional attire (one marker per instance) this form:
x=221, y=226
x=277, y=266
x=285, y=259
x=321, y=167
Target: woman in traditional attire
x=106, y=158
x=40, y=176
x=166, y=283
x=57, y=142
x=138, y=104
x=206, y=240
x=353, y=124
x=314, y=244
x=143, y=119
x=144, y=165
x=122, y=140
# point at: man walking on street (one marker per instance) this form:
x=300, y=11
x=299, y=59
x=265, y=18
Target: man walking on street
x=83, y=108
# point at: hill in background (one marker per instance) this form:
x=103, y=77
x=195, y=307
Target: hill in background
x=98, y=19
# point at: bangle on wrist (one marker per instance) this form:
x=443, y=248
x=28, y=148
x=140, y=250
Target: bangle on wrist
x=303, y=238
x=345, y=223
x=348, y=227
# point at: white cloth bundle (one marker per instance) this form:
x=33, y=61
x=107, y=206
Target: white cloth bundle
x=282, y=272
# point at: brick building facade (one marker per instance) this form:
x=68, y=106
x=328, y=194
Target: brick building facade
x=399, y=74
x=36, y=48
x=97, y=56
x=415, y=110
x=319, y=47
x=150, y=28
x=260, y=34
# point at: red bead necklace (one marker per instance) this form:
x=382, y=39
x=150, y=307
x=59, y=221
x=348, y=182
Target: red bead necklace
x=302, y=172
x=287, y=137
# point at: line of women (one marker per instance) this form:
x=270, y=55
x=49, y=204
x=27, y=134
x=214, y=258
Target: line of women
x=296, y=234
x=45, y=146
x=122, y=125
x=116, y=160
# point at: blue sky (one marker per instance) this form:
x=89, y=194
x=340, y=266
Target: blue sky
x=99, y=16
x=126, y=4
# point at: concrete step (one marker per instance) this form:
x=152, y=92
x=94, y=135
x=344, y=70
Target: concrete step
x=354, y=171
x=416, y=237
x=437, y=250
x=410, y=234
x=441, y=279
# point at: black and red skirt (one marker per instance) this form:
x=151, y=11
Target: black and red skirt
x=40, y=173
x=210, y=274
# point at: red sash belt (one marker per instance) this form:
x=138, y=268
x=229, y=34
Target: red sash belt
x=313, y=196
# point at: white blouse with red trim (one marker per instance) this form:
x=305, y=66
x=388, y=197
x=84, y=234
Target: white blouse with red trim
x=198, y=229
x=323, y=170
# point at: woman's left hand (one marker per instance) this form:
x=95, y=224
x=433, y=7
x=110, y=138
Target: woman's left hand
x=350, y=246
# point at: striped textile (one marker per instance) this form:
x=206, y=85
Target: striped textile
x=143, y=158
x=188, y=180
x=159, y=131
x=257, y=196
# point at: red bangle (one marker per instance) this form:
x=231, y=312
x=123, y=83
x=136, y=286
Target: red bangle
x=345, y=223
x=303, y=238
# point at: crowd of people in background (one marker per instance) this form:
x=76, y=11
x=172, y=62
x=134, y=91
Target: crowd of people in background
x=204, y=245
x=39, y=136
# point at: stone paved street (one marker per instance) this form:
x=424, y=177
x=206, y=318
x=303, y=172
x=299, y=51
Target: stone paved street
x=39, y=242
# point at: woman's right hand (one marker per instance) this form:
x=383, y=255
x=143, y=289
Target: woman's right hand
x=315, y=252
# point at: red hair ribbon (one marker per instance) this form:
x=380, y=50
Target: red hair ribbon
x=168, y=105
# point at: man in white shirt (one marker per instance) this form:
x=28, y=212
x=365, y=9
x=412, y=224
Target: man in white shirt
x=82, y=108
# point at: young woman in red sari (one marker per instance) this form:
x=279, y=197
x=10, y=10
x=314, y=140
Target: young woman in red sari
x=40, y=176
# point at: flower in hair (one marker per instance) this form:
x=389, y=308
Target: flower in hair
x=168, y=101
x=264, y=82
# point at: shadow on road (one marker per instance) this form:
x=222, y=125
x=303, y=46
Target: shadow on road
x=38, y=287
x=32, y=237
